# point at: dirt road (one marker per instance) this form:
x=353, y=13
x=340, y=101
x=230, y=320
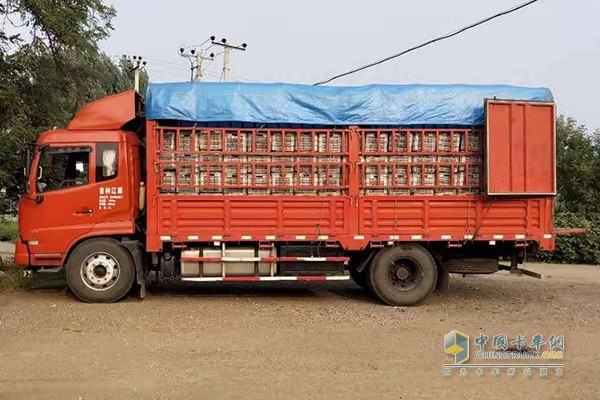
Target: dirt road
x=316, y=341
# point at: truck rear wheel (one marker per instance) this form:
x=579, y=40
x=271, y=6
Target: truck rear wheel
x=403, y=275
x=100, y=271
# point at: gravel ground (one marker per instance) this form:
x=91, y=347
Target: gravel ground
x=299, y=340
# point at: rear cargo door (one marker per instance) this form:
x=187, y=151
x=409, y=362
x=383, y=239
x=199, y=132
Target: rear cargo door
x=520, y=148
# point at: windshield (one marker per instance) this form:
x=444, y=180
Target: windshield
x=61, y=168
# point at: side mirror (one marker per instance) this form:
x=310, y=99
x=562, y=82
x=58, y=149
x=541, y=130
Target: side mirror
x=38, y=198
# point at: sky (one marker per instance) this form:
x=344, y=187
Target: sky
x=553, y=43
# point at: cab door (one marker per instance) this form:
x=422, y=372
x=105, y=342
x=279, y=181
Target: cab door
x=62, y=203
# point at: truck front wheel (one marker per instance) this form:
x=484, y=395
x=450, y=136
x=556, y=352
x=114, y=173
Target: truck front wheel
x=100, y=271
x=403, y=275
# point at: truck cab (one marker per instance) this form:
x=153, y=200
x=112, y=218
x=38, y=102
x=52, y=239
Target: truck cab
x=83, y=181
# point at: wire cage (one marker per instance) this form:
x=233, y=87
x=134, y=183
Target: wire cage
x=233, y=161
x=421, y=162
x=309, y=162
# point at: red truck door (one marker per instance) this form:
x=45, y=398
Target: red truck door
x=67, y=202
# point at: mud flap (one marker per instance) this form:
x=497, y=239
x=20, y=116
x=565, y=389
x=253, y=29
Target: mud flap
x=443, y=278
x=365, y=261
x=442, y=283
x=135, y=249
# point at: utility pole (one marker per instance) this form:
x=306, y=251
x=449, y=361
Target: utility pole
x=226, y=68
x=198, y=71
x=226, y=52
x=136, y=65
x=196, y=58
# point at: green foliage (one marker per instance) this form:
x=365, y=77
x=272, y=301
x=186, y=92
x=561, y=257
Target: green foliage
x=60, y=24
x=9, y=230
x=574, y=249
x=578, y=167
x=50, y=66
x=578, y=202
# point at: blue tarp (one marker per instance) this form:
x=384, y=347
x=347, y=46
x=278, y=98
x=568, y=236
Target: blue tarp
x=282, y=103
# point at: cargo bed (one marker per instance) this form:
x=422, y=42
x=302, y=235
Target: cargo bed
x=353, y=186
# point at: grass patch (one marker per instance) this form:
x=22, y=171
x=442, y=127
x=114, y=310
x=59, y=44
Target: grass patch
x=13, y=279
x=9, y=230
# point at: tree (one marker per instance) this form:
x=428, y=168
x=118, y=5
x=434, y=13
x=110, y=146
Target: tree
x=50, y=66
x=578, y=167
x=578, y=201
x=57, y=25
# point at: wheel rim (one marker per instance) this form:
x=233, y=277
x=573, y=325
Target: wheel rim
x=404, y=274
x=100, y=271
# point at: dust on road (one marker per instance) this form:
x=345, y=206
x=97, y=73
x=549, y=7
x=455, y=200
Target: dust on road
x=300, y=340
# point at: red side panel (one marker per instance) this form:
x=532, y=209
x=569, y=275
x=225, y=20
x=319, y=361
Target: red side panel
x=236, y=216
x=453, y=217
x=521, y=148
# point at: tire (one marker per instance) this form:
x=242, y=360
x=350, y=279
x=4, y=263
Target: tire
x=100, y=271
x=403, y=275
x=360, y=278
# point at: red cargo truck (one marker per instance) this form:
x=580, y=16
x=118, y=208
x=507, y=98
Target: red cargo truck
x=204, y=198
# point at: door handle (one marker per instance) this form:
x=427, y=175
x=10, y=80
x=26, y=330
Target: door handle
x=84, y=210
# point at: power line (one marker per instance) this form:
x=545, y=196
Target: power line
x=164, y=72
x=164, y=63
x=444, y=37
x=167, y=70
x=168, y=63
x=193, y=46
x=171, y=67
x=177, y=71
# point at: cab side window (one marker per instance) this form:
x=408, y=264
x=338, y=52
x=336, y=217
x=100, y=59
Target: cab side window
x=107, y=161
x=63, y=167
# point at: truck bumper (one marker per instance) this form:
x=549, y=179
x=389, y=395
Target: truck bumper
x=21, y=254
